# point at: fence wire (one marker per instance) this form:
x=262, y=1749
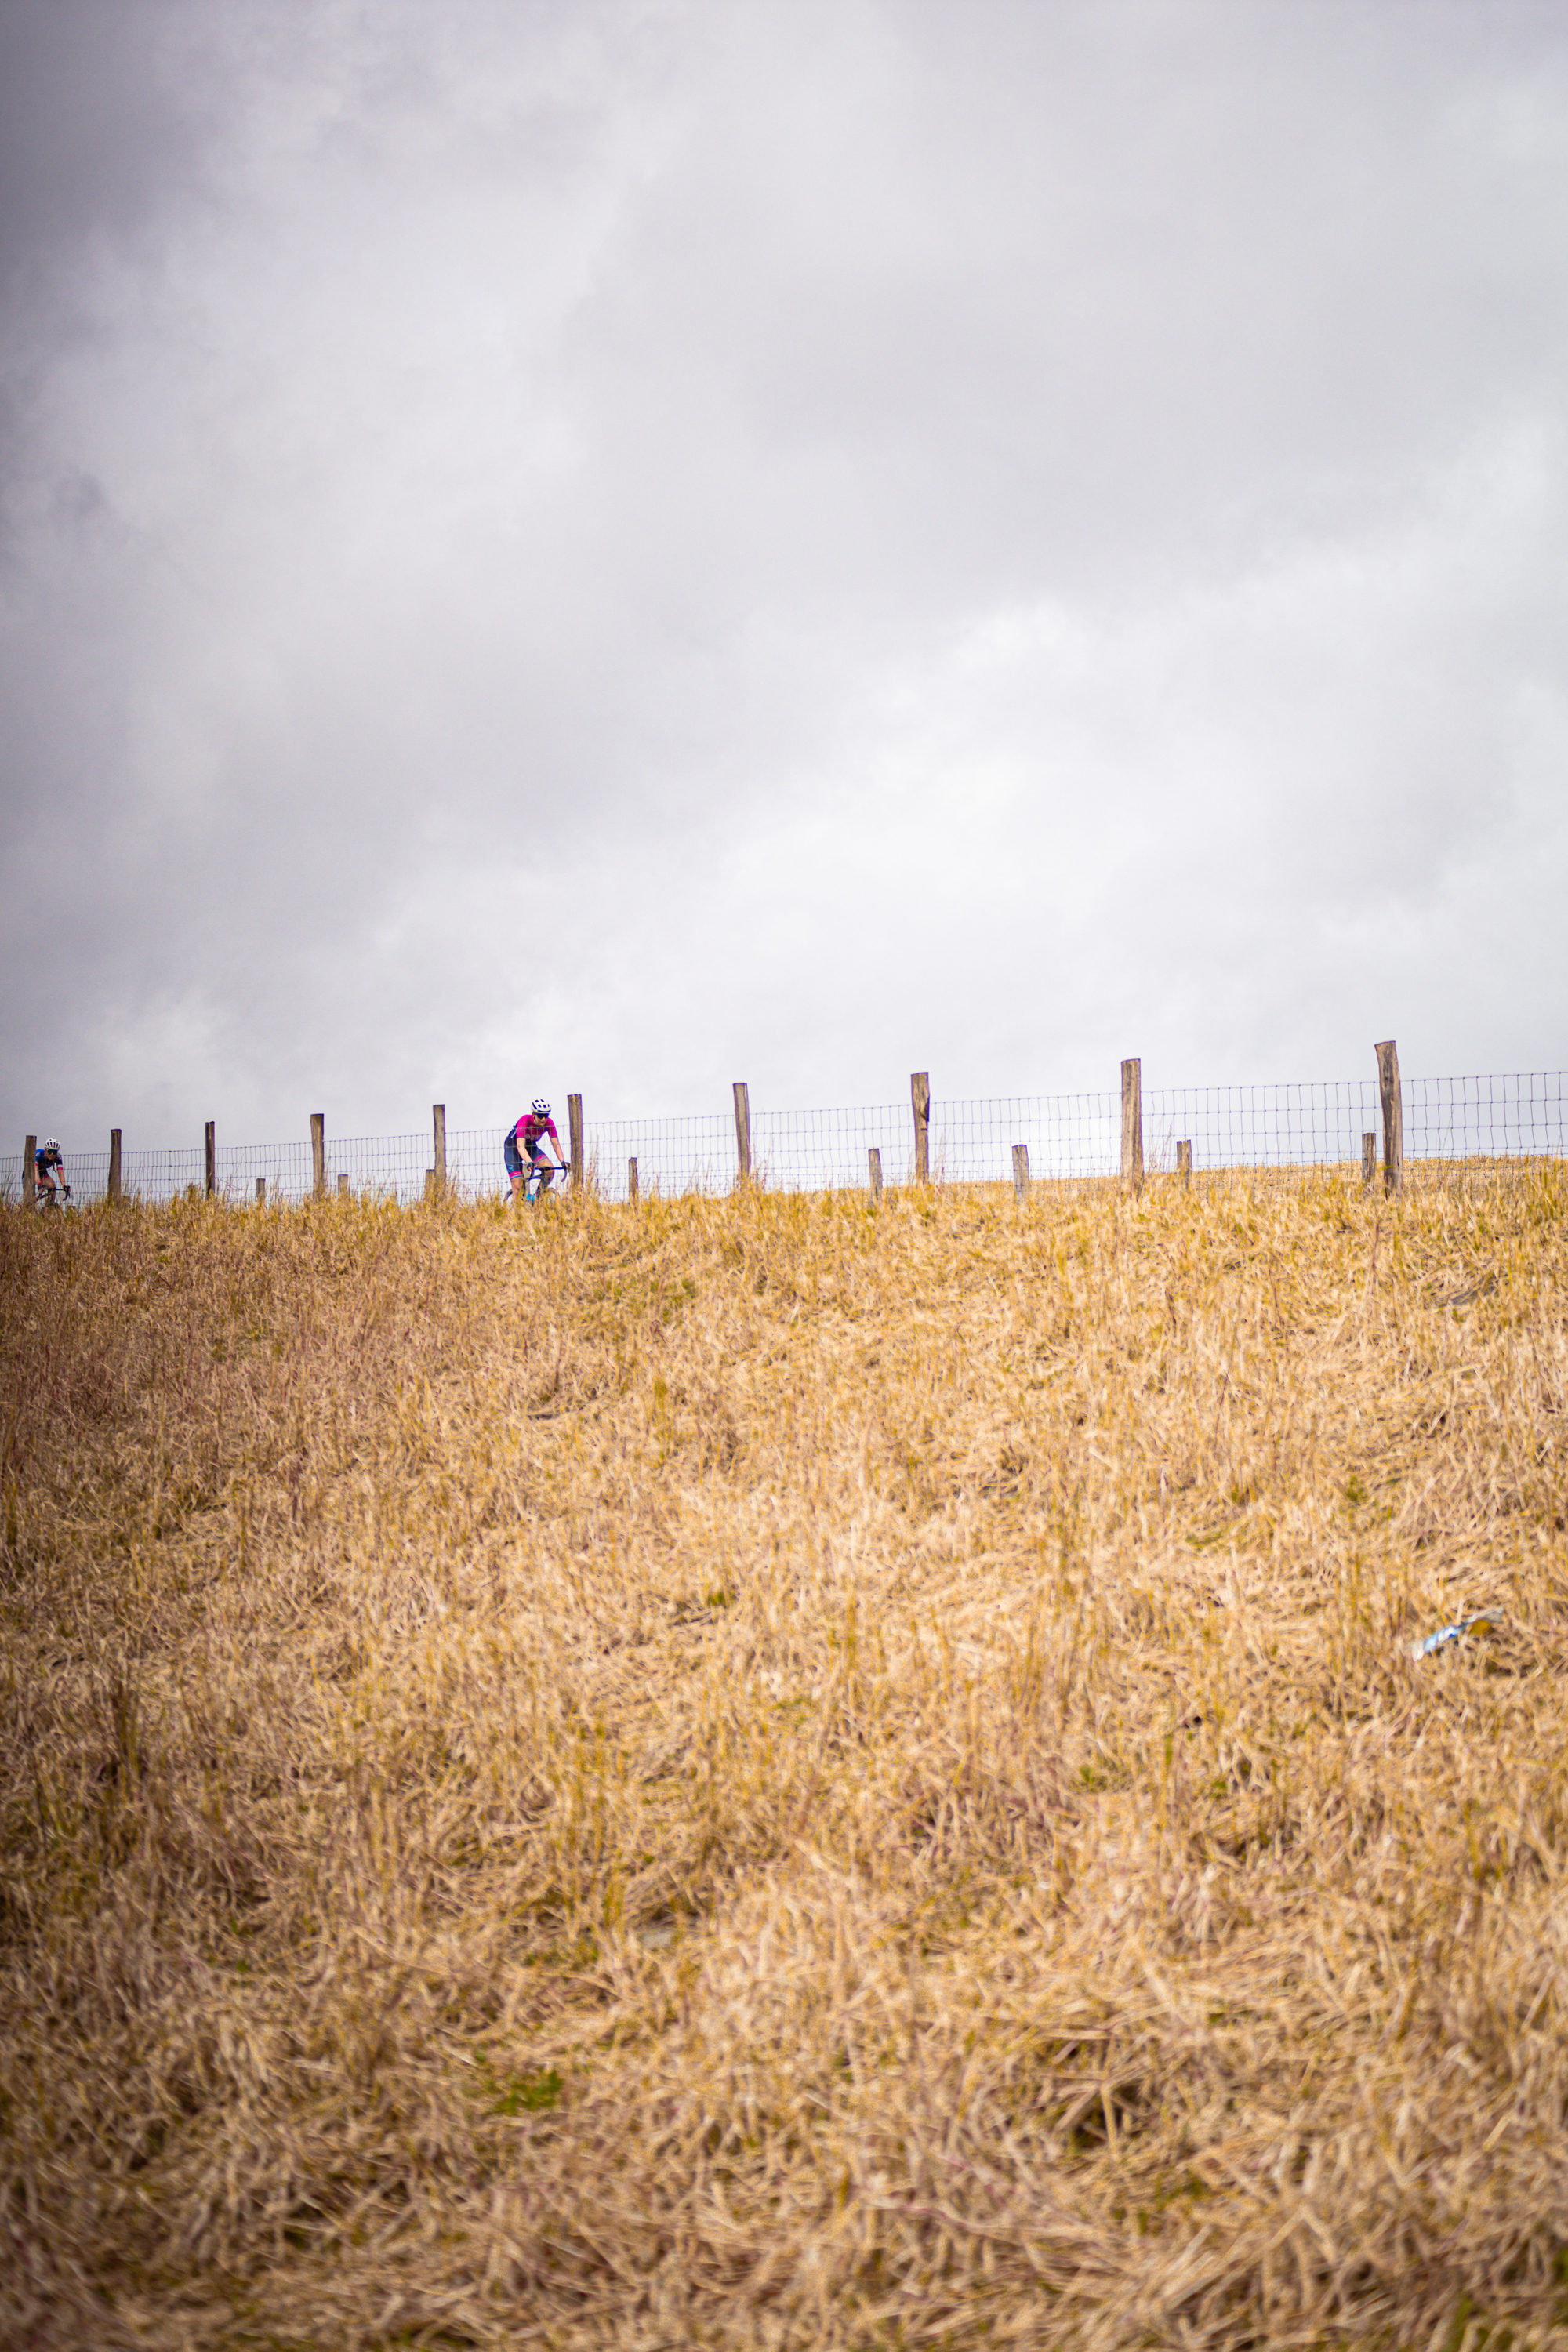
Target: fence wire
x=1519, y=1116
x=1509, y=1116
x=1510, y=1120
x=1309, y=1124
x=673, y=1155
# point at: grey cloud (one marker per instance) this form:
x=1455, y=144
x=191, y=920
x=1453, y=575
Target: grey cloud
x=96, y=123
x=636, y=534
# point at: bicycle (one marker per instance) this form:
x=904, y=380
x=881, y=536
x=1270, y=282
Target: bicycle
x=50, y=1196
x=537, y=1184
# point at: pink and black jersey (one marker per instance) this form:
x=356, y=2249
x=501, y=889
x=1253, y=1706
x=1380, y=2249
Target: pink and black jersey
x=531, y=1127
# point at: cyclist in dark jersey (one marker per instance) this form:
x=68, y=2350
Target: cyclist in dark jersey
x=46, y=1160
x=524, y=1147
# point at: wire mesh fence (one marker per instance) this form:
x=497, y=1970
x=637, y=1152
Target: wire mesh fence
x=1307, y=1125
x=1510, y=1120
x=1516, y=1116
x=1509, y=1116
x=673, y=1155
x=389, y=1167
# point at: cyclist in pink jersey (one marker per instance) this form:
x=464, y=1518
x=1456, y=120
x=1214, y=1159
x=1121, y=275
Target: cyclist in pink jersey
x=523, y=1146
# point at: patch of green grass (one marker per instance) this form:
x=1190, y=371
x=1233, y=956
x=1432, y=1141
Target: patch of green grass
x=530, y=2093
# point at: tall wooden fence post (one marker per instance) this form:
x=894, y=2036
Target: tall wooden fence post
x=1133, y=1124
x=632, y=1194
x=743, y=1130
x=113, y=1185
x=438, y=1113
x=574, y=1127
x=261, y=1192
x=29, y=1170
x=1021, y=1171
x=319, y=1153
x=211, y=1158
x=1185, y=1161
x=1368, y=1160
x=1393, y=1117
x=919, y=1097
x=874, y=1171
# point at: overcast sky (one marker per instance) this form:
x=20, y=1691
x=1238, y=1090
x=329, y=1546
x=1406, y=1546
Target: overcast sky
x=549, y=545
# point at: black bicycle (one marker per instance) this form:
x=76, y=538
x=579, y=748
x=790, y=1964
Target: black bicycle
x=538, y=1182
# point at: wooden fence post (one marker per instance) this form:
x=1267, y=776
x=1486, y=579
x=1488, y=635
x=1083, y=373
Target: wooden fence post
x=1184, y=1162
x=319, y=1153
x=574, y=1127
x=429, y=1183
x=1021, y=1171
x=632, y=1194
x=1133, y=1124
x=919, y=1097
x=29, y=1170
x=874, y=1169
x=1393, y=1117
x=212, y=1158
x=1368, y=1160
x=438, y=1113
x=743, y=1128
x=343, y=1183
x=261, y=1192
x=112, y=1188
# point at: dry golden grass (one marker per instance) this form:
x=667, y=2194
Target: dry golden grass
x=769, y=1773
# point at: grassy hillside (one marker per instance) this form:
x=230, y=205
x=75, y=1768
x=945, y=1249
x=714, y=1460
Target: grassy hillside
x=775, y=1773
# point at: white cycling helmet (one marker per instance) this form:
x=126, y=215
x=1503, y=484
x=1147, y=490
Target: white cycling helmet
x=50, y=1144
x=542, y=1107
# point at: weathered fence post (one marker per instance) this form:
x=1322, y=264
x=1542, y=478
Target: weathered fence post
x=574, y=1127
x=1368, y=1160
x=112, y=1189
x=1185, y=1161
x=212, y=1158
x=919, y=1097
x=1021, y=1170
x=874, y=1169
x=343, y=1183
x=319, y=1153
x=1393, y=1117
x=632, y=1194
x=29, y=1170
x=742, y=1128
x=438, y=1113
x=1133, y=1124
x=429, y=1183
x=261, y=1192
